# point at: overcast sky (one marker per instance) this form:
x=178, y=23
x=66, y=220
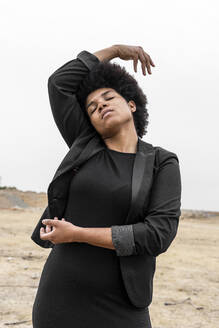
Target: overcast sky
x=37, y=37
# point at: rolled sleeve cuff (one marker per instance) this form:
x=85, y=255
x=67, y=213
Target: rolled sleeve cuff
x=88, y=59
x=123, y=239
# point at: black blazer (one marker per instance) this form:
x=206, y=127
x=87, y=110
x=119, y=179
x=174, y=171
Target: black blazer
x=156, y=183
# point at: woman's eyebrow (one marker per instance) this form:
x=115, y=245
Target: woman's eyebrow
x=103, y=94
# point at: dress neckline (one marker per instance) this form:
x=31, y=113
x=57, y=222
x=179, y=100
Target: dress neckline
x=119, y=152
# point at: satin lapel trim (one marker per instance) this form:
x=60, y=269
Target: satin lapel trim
x=93, y=146
x=142, y=176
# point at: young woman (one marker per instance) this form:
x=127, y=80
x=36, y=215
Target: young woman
x=81, y=284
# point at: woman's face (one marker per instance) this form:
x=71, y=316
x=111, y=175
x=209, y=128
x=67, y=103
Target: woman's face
x=102, y=100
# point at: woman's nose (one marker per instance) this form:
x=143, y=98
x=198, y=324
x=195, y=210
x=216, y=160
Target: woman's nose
x=101, y=106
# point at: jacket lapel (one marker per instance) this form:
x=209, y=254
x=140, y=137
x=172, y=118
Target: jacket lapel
x=142, y=178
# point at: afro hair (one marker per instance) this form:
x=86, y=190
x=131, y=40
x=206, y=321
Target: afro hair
x=112, y=75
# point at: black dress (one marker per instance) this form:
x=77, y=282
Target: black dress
x=81, y=285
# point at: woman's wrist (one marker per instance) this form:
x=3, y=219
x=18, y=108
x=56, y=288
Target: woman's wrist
x=78, y=235
x=107, y=53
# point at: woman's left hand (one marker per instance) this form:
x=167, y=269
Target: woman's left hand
x=61, y=232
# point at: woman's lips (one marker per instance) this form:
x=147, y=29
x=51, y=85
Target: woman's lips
x=107, y=113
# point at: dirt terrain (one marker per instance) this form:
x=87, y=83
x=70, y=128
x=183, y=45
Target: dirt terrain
x=186, y=283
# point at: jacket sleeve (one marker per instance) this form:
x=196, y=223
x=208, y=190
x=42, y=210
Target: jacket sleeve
x=62, y=87
x=156, y=232
x=123, y=239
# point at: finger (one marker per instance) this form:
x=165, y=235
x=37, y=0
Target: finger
x=44, y=235
x=143, y=61
x=55, y=218
x=135, y=63
x=151, y=61
x=147, y=58
x=63, y=219
x=50, y=222
x=48, y=228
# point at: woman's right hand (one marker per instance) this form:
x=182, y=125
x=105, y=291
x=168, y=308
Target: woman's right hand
x=135, y=53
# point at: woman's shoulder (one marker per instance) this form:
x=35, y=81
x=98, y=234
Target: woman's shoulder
x=163, y=154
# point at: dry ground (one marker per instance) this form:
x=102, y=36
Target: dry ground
x=186, y=283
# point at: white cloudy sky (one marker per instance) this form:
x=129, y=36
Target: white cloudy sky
x=181, y=37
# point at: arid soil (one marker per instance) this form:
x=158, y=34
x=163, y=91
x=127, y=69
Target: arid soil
x=186, y=282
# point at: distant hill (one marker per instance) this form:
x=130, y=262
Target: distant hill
x=14, y=198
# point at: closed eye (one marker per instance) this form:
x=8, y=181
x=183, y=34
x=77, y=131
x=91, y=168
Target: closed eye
x=106, y=99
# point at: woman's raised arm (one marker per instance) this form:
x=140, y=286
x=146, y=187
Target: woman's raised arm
x=62, y=86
